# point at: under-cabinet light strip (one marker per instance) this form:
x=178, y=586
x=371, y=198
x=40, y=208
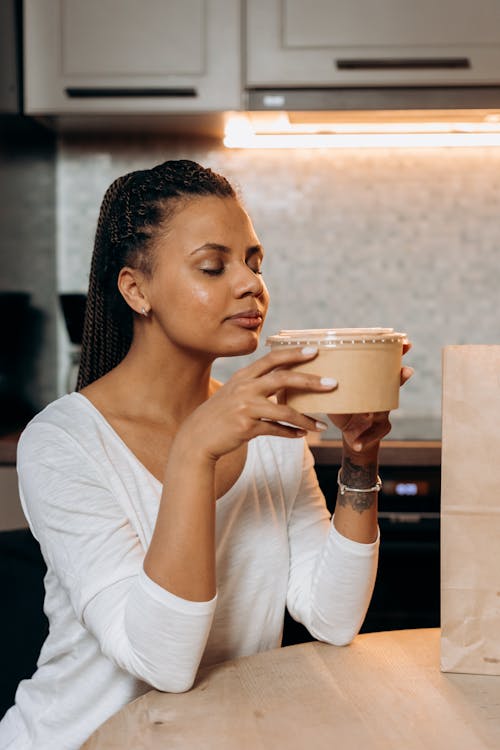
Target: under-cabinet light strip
x=362, y=140
x=240, y=132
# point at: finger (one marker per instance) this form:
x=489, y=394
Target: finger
x=268, y=427
x=354, y=423
x=359, y=424
x=281, y=396
x=284, y=357
x=282, y=413
x=373, y=434
x=407, y=345
x=406, y=373
x=341, y=421
x=280, y=379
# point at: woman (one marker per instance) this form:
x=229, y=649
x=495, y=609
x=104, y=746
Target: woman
x=178, y=516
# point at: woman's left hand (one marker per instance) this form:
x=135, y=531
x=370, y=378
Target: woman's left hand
x=362, y=433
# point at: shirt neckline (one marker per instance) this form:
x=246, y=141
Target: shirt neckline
x=88, y=403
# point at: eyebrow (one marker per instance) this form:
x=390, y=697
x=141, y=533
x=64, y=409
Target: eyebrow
x=253, y=250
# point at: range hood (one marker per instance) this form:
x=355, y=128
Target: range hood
x=374, y=98
x=367, y=116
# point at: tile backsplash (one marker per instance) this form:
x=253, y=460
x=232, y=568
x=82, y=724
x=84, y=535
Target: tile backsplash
x=400, y=238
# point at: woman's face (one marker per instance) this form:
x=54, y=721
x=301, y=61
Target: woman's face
x=206, y=291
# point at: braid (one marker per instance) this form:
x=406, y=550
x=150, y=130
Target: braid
x=132, y=211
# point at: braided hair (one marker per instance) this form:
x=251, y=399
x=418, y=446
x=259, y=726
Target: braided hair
x=134, y=208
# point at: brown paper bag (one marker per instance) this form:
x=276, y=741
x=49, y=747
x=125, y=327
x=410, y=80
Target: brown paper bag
x=470, y=510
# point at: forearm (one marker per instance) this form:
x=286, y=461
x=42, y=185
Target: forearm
x=331, y=577
x=181, y=555
x=342, y=588
x=356, y=513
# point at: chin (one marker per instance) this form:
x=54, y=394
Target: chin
x=239, y=349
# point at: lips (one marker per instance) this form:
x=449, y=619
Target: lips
x=247, y=318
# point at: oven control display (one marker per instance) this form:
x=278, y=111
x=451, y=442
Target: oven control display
x=406, y=488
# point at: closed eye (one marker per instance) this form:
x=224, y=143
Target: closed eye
x=213, y=271
x=254, y=259
x=254, y=263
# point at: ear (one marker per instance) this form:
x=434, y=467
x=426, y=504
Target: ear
x=131, y=283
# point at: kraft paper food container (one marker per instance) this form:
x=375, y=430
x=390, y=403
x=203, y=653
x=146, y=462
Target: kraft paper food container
x=366, y=362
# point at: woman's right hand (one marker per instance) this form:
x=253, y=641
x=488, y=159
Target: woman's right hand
x=181, y=555
x=242, y=408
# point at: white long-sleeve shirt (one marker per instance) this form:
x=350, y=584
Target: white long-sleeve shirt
x=114, y=632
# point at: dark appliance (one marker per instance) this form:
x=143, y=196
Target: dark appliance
x=19, y=334
x=73, y=308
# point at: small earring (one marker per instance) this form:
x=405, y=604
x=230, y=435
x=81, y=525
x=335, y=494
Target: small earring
x=144, y=312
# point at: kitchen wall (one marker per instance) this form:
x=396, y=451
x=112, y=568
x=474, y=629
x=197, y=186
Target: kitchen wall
x=408, y=239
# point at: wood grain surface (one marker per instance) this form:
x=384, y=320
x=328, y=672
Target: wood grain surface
x=383, y=692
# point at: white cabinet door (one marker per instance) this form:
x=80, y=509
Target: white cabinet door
x=131, y=56
x=372, y=42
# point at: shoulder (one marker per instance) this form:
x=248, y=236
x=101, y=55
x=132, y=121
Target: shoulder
x=67, y=420
x=68, y=411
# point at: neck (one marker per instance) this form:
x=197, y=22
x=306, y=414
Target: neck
x=161, y=380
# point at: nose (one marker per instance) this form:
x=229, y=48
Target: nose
x=248, y=283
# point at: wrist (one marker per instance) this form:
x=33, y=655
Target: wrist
x=186, y=445
x=359, y=470
x=361, y=458
x=361, y=480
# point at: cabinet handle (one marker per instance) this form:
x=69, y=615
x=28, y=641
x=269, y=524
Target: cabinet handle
x=403, y=63
x=89, y=92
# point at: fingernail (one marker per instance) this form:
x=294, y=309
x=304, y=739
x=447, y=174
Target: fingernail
x=330, y=382
x=357, y=446
x=308, y=350
x=321, y=426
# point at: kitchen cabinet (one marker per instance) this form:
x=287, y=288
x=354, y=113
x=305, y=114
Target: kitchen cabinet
x=291, y=43
x=131, y=56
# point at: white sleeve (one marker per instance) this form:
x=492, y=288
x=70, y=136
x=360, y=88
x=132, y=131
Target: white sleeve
x=331, y=577
x=90, y=545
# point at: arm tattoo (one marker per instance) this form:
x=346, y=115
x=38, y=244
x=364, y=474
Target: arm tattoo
x=360, y=477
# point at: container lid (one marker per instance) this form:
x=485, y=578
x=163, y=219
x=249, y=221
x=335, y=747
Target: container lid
x=330, y=337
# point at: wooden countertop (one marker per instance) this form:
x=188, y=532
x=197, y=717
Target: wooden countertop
x=326, y=452
x=384, y=692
